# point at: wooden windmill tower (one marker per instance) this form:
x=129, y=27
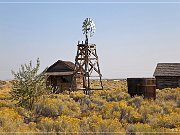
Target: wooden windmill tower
x=86, y=60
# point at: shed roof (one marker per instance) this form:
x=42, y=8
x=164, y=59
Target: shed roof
x=167, y=69
x=61, y=67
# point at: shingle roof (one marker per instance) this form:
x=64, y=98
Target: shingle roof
x=61, y=66
x=70, y=64
x=167, y=69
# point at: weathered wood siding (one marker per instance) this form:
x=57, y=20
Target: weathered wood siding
x=79, y=82
x=142, y=86
x=59, y=83
x=167, y=82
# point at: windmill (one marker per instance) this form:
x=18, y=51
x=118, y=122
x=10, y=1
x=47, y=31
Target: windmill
x=86, y=60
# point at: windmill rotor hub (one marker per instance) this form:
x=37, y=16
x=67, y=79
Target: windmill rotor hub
x=88, y=28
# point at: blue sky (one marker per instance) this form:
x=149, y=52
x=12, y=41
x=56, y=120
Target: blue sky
x=131, y=38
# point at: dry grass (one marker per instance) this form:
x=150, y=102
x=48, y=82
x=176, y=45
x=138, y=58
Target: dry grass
x=106, y=110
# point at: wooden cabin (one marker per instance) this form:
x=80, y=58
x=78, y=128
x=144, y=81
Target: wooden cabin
x=167, y=75
x=60, y=76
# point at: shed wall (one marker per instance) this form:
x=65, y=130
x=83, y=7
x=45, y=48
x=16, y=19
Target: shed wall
x=167, y=82
x=142, y=86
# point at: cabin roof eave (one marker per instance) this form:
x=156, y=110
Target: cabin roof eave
x=59, y=73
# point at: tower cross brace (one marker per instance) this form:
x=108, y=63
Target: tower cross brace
x=86, y=61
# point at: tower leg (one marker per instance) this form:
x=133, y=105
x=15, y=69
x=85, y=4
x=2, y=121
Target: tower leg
x=86, y=62
x=100, y=77
x=88, y=87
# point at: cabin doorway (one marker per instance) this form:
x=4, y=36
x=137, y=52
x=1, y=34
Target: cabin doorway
x=55, y=84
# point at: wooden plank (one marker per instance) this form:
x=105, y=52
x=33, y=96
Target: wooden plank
x=59, y=73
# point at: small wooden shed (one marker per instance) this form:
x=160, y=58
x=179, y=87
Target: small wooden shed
x=167, y=75
x=142, y=86
x=60, y=76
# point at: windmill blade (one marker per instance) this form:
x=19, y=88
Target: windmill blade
x=88, y=26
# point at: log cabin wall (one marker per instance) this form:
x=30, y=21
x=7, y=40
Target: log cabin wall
x=59, y=83
x=167, y=82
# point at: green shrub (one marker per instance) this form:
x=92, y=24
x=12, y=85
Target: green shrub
x=113, y=95
x=57, y=105
x=149, y=107
x=28, y=85
x=67, y=124
x=140, y=128
x=165, y=121
x=28, y=128
x=46, y=125
x=77, y=96
x=60, y=124
x=168, y=94
x=136, y=101
x=6, y=103
x=98, y=124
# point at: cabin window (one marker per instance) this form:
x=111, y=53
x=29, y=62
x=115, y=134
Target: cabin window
x=66, y=79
